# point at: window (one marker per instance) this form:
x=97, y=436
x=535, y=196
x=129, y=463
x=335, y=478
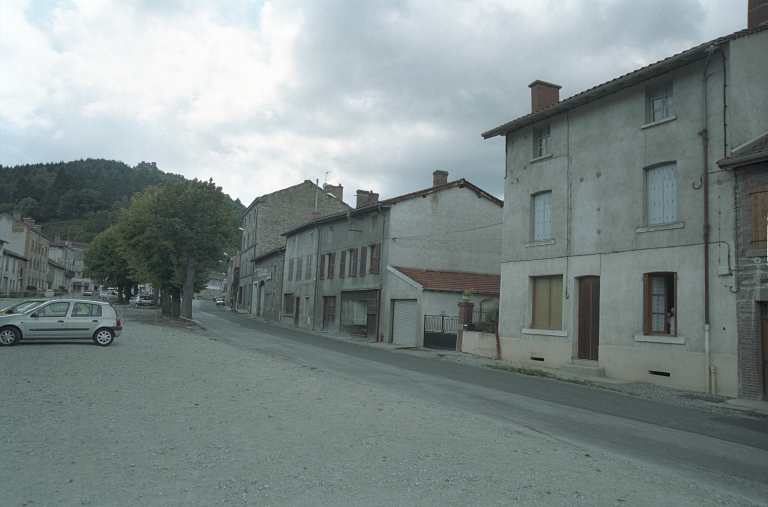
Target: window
x=288, y=304
x=369, y=259
x=660, y=102
x=661, y=185
x=543, y=146
x=374, y=220
x=298, y=268
x=290, y=270
x=548, y=302
x=305, y=310
x=542, y=216
x=659, y=315
x=759, y=197
x=54, y=310
x=326, y=265
x=310, y=238
x=308, y=274
x=330, y=234
x=348, y=265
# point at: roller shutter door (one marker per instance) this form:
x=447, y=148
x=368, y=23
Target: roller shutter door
x=404, y=322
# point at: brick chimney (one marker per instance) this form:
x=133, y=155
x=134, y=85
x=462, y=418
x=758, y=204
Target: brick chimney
x=757, y=13
x=365, y=198
x=335, y=190
x=439, y=178
x=543, y=94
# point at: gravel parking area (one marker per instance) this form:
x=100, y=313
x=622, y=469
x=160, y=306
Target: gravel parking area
x=169, y=416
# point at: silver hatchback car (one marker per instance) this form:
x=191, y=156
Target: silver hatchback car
x=62, y=319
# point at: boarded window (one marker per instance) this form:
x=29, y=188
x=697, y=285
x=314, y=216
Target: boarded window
x=661, y=185
x=548, y=302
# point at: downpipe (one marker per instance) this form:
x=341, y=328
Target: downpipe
x=705, y=185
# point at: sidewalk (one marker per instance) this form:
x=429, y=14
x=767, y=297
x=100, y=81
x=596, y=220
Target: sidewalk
x=701, y=400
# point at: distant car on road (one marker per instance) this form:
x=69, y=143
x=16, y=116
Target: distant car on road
x=108, y=295
x=219, y=301
x=87, y=293
x=62, y=319
x=142, y=300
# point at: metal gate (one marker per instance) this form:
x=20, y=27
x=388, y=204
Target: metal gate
x=440, y=331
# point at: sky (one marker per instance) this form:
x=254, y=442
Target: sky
x=262, y=95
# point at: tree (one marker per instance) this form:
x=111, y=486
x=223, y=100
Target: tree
x=169, y=230
x=105, y=263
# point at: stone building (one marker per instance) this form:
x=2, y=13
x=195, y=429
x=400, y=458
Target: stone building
x=268, y=216
x=749, y=166
x=26, y=239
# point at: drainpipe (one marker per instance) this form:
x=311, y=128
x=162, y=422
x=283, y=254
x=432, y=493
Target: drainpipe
x=709, y=371
x=379, y=334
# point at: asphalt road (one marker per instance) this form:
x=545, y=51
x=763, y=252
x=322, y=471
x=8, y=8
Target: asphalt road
x=723, y=450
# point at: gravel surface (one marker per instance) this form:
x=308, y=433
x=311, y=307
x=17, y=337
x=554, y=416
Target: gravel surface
x=167, y=415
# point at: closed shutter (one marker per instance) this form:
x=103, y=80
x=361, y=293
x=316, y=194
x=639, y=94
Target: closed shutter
x=375, y=258
x=343, y=264
x=404, y=322
x=353, y=262
x=363, y=255
x=322, y=267
x=542, y=226
x=331, y=264
x=759, y=216
x=662, y=195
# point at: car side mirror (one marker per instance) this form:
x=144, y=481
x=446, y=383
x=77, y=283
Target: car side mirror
x=34, y=314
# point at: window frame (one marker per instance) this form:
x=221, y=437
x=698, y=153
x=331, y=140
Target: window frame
x=549, y=324
x=759, y=207
x=666, y=96
x=648, y=294
x=542, y=149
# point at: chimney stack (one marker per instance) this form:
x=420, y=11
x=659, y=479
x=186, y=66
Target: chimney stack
x=543, y=94
x=439, y=178
x=757, y=13
x=366, y=197
x=335, y=190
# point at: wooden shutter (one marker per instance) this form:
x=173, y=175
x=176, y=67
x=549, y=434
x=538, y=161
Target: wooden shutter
x=353, y=262
x=331, y=264
x=322, y=267
x=375, y=258
x=343, y=264
x=759, y=216
x=363, y=255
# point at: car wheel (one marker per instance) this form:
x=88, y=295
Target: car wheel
x=9, y=336
x=104, y=337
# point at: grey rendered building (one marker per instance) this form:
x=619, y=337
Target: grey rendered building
x=267, y=217
x=338, y=275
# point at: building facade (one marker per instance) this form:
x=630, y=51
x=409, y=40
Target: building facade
x=619, y=229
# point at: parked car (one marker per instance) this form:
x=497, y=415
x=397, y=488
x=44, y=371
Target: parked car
x=87, y=293
x=22, y=306
x=62, y=319
x=108, y=295
x=142, y=300
x=219, y=301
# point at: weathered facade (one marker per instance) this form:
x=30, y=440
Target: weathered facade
x=348, y=287
x=26, y=239
x=268, y=216
x=618, y=229
x=267, y=284
x=749, y=166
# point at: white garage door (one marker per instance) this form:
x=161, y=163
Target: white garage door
x=404, y=320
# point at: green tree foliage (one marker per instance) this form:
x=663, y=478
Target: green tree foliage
x=105, y=263
x=171, y=229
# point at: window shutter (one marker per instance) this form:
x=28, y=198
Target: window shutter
x=331, y=264
x=290, y=270
x=759, y=216
x=353, y=263
x=375, y=257
x=363, y=255
x=343, y=264
x=646, y=306
x=542, y=226
x=322, y=267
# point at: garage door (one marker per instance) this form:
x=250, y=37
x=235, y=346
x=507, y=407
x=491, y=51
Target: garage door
x=404, y=322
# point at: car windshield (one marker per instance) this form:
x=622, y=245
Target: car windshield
x=21, y=307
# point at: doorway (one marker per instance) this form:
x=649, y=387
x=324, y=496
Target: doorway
x=589, y=317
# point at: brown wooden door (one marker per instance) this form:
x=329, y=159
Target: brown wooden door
x=329, y=313
x=589, y=317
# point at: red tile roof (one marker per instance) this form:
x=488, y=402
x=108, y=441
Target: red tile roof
x=453, y=281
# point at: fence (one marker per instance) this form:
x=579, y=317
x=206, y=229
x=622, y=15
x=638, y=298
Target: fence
x=145, y=314
x=483, y=320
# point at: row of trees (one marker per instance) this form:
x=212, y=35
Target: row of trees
x=168, y=231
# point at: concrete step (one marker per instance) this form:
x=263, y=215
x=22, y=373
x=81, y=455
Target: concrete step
x=583, y=370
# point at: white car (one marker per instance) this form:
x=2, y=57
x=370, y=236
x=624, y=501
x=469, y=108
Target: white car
x=62, y=319
x=108, y=295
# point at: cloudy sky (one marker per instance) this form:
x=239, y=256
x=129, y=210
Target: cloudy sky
x=263, y=95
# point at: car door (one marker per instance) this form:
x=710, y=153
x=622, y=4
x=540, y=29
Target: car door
x=84, y=320
x=48, y=321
